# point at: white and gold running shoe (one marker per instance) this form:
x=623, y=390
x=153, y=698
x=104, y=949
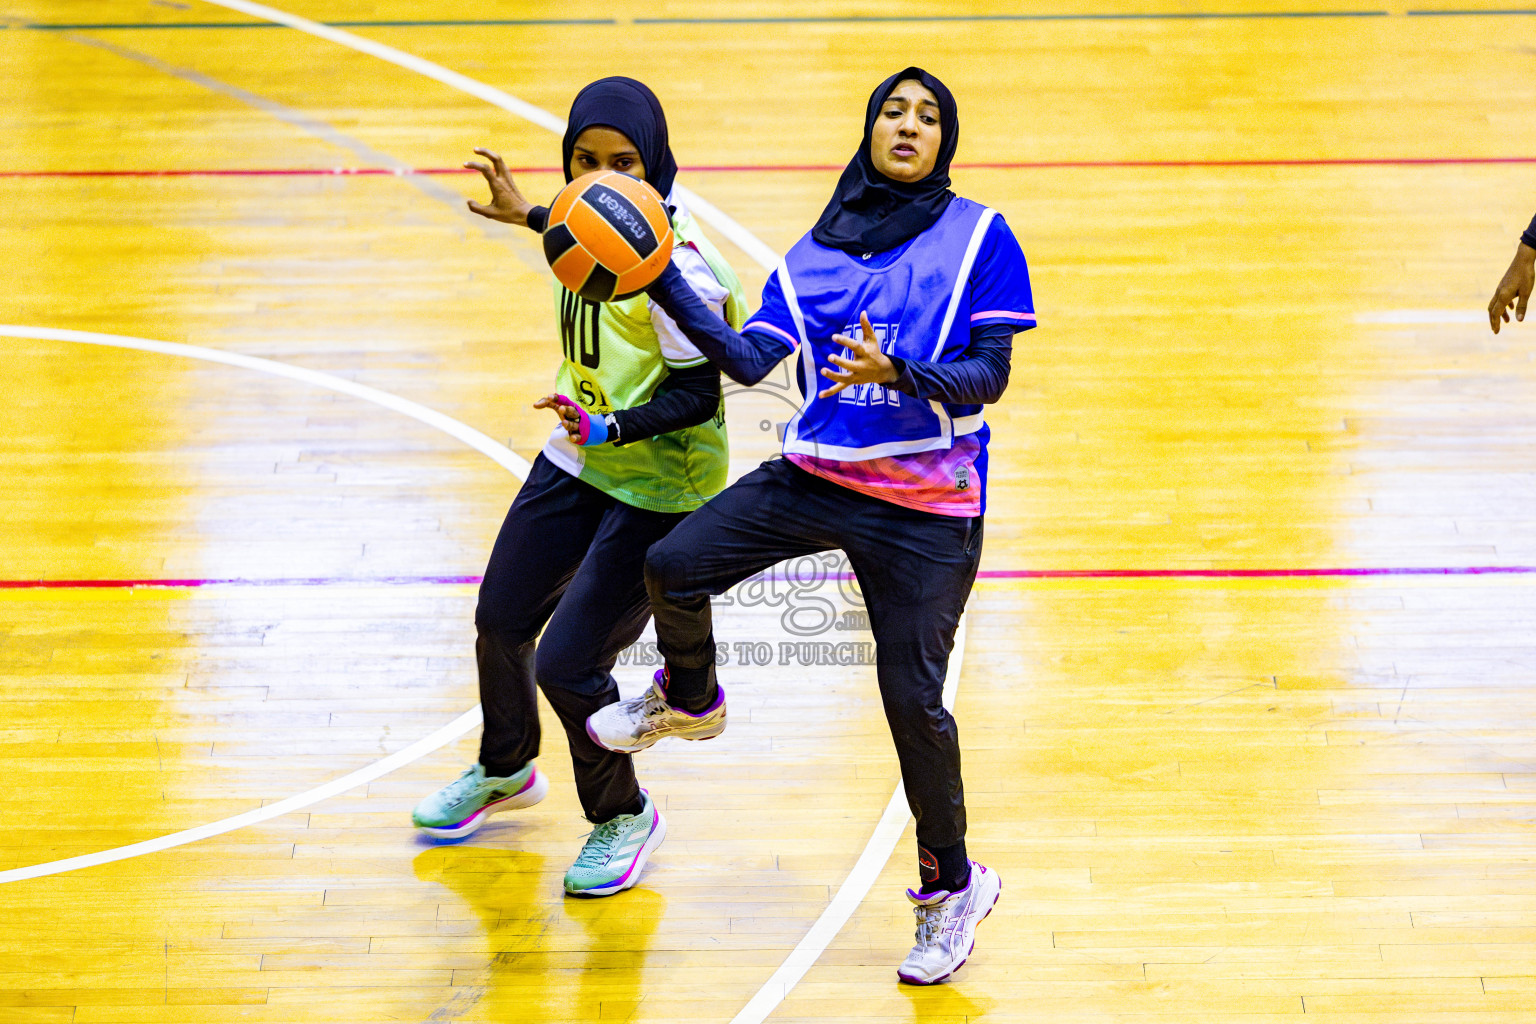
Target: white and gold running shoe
x=631, y=725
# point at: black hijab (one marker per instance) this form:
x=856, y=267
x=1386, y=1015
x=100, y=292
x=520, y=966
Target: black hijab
x=627, y=106
x=872, y=213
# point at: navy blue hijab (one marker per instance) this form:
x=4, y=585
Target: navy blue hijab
x=624, y=105
x=872, y=213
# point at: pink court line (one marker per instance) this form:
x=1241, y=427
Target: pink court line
x=305, y=172
x=1058, y=574
x=992, y=574
x=234, y=581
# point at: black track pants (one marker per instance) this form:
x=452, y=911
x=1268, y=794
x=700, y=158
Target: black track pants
x=569, y=561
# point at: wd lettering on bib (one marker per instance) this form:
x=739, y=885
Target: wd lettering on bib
x=920, y=309
x=870, y=394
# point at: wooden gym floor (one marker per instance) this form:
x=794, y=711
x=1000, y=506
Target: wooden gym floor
x=1247, y=690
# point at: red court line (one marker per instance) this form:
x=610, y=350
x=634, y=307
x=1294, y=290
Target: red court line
x=307, y=172
x=994, y=574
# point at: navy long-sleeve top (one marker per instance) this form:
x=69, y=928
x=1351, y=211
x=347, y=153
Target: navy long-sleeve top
x=980, y=376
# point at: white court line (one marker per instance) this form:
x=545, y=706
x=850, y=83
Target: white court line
x=422, y=747
x=854, y=888
x=497, y=452
x=708, y=212
x=399, y=759
x=892, y=822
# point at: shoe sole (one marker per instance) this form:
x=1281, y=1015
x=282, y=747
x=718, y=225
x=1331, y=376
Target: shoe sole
x=633, y=874
x=651, y=739
x=529, y=795
x=910, y=980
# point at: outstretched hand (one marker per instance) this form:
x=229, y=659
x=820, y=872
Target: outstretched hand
x=868, y=364
x=566, y=412
x=1514, y=288
x=507, y=203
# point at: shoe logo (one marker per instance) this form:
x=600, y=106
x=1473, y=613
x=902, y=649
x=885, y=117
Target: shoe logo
x=927, y=865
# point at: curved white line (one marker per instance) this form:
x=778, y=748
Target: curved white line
x=708, y=212
x=892, y=823
x=496, y=451
x=855, y=887
x=399, y=759
x=422, y=747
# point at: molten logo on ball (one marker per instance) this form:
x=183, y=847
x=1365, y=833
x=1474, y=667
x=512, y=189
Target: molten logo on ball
x=608, y=236
x=625, y=214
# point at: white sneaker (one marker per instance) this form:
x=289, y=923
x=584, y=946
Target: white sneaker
x=634, y=724
x=946, y=927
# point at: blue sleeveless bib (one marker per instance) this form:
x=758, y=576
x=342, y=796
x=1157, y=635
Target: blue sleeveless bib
x=920, y=308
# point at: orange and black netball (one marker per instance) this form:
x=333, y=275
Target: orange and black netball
x=608, y=236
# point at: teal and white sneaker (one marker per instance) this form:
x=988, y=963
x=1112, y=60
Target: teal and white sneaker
x=462, y=806
x=616, y=852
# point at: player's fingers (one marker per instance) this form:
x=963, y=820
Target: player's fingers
x=1525, y=298
x=484, y=211
x=868, y=328
x=831, y=391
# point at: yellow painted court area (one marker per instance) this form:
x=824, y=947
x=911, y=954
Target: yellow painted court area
x=1261, y=237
